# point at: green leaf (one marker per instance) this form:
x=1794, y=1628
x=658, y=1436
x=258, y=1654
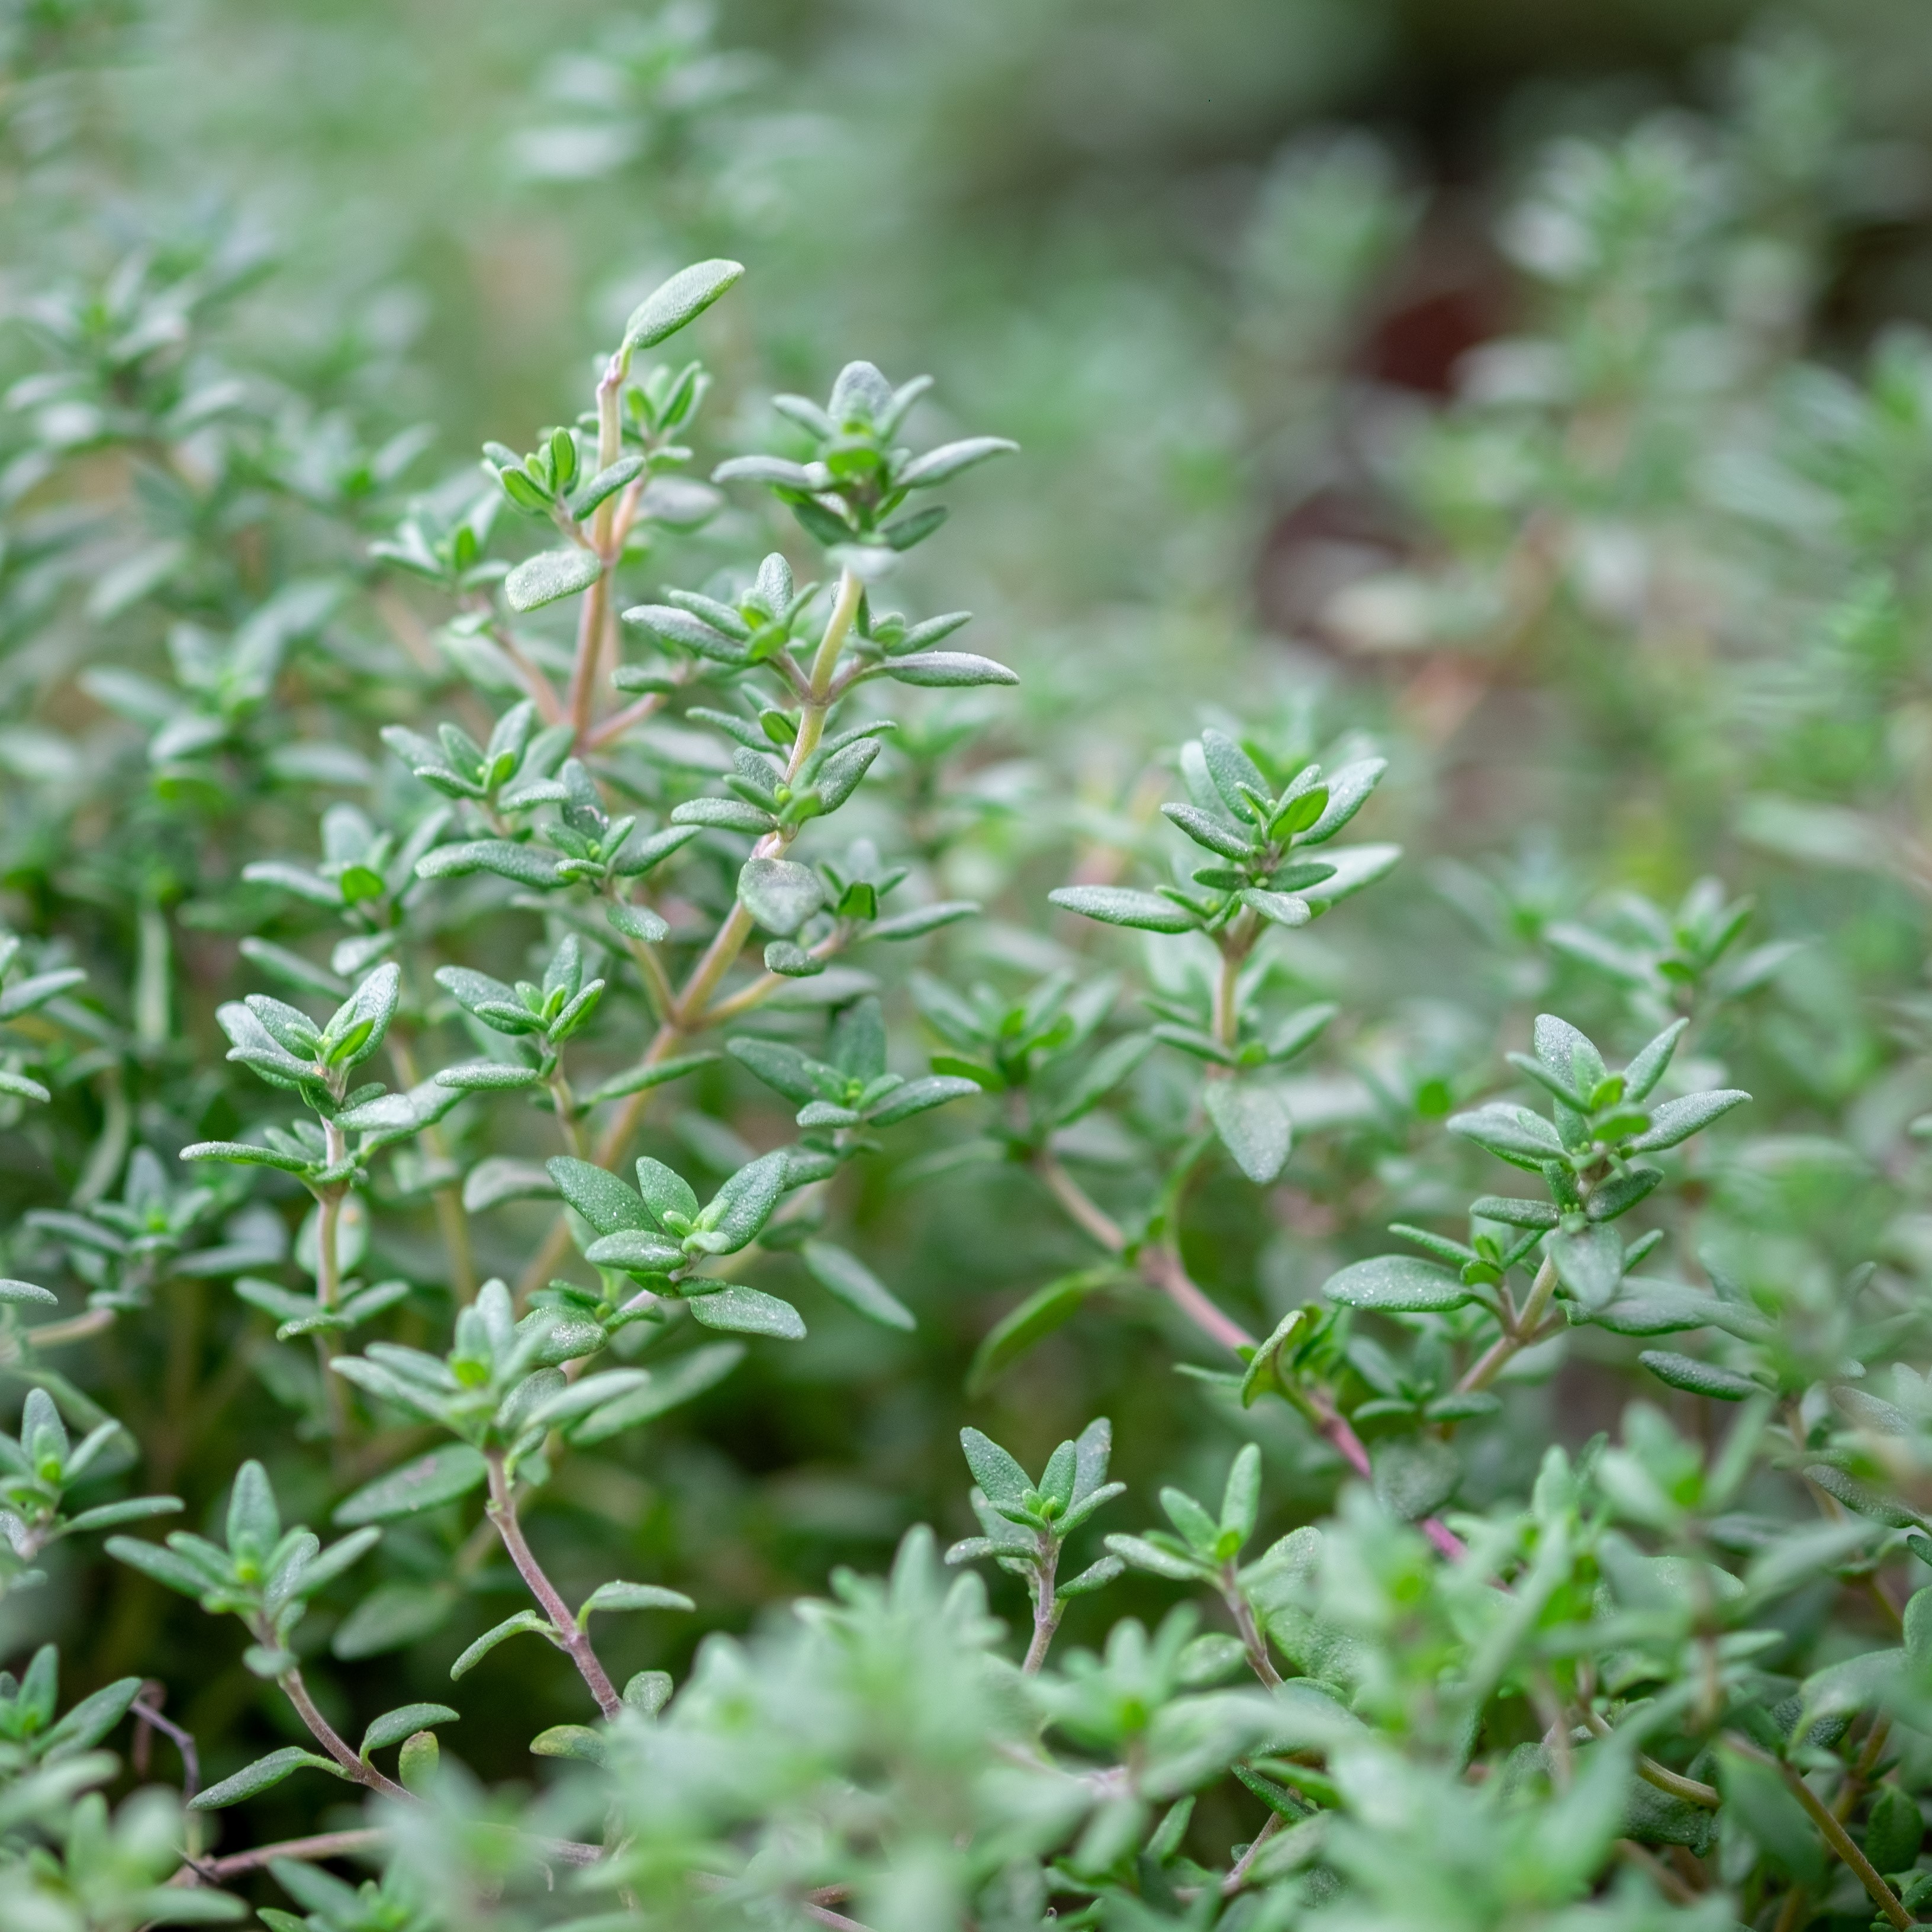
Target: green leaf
x=1415, y=1475
x=1241, y=1499
x=664, y=1191
x=1662, y=1308
x=1253, y=1125
x=1002, y=1479
x=1397, y=1284
x=163, y=1565
x=1514, y=1134
x=1589, y=1264
x=1513, y=1212
x=1643, y=1073
x=605, y=484
x=579, y=1397
x=1140, y=1554
x=634, y=1251
x=632, y=1596
x=1854, y=1494
x=1354, y=868
x=673, y=304
x=260, y=1775
x=779, y=894
x=927, y=919
x=392, y=1726
x=1677, y=1120
x=1285, y=909
x=245, y=1153
x=524, y=1620
x=638, y=922
x=1036, y=1318
x=88, y=1722
x=670, y=1385
x=391, y=1615
x=941, y=465
x=498, y=1179
x=525, y=864
x=427, y=1482
x=943, y=669
x=920, y=1097
x=635, y=1079
x=601, y=1198
x=745, y=1311
x=1686, y=1372
x=1348, y=791
x=1118, y=905
x=722, y=814
x=136, y=1509
x=25, y=1290
x=577, y=1741
x=847, y=1279
x=550, y=576
x=24, y=995
x=735, y=1214
x=22, y=1088
x=488, y=1076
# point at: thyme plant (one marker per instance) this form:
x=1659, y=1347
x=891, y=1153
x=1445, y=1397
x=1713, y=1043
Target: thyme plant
x=543, y=1005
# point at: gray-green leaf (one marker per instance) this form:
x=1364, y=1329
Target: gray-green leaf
x=550, y=576
x=1253, y=1125
x=1397, y=1284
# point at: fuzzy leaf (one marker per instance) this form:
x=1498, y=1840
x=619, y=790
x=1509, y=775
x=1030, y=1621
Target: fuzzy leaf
x=431, y=1479
x=1706, y=1378
x=260, y=1776
x=848, y=1279
x=1116, y=905
x=524, y=1620
x=745, y=1311
x=1397, y=1284
x=682, y=300
x=1253, y=1125
x=392, y=1726
x=550, y=576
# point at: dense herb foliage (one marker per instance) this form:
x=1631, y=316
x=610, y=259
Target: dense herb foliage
x=686, y=1243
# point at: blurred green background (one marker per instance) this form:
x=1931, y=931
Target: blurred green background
x=1225, y=269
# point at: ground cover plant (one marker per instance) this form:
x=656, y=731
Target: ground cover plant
x=687, y=1240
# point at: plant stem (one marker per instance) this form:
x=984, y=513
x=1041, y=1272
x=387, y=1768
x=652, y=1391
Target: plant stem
x=1237, y=943
x=1661, y=1776
x=609, y=729
x=1516, y=1336
x=1046, y=1609
x=503, y=1512
x=328, y=1282
x=325, y=1845
x=691, y=1011
x=1836, y=1836
x=1253, y=1642
x=1238, y=1875
x=148, y=1714
x=1161, y=1267
x=1659, y=1874
x=324, y=1734
x=565, y=1101
x=76, y=1328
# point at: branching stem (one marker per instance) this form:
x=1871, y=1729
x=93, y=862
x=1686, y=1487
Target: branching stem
x=1162, y=1267
x=325, y=1735
x=1516, y=1335
x=691, y=1010
x=503, y=1512
x=1840, y=1840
